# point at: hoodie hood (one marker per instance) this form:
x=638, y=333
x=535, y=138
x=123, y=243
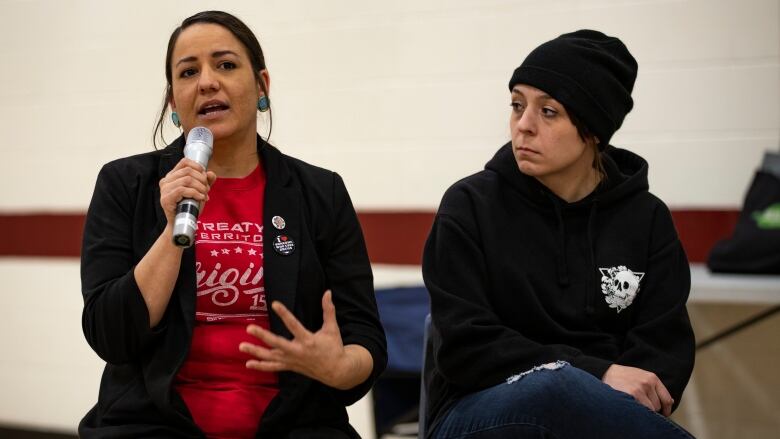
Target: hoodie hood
x=626, y=174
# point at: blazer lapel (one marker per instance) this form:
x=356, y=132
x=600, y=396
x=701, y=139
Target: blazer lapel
x=281, y=246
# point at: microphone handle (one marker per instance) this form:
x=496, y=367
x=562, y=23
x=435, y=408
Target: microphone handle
x=185, y=223
x=199, y=147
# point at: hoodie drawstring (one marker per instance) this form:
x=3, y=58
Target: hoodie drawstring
x=589, y=308
x=563, y=269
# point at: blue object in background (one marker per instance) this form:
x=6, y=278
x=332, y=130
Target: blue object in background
x=402, y=312
x=397, y=391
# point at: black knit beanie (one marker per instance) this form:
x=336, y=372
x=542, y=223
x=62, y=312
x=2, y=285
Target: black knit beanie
x=590, y=73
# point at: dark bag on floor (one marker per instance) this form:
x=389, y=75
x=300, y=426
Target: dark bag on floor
x=755, y=245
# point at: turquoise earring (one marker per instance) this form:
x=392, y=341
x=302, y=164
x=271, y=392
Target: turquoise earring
x=262, y=104
x=175, y=119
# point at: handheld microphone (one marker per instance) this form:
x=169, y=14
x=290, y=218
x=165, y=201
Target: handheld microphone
x=200, y=144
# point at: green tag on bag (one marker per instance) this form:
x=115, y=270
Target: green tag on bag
x=769, y=218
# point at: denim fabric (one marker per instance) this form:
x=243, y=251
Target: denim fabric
x=558, y=403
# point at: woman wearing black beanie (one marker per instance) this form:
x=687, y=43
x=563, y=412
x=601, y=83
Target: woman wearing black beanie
x=558, y=283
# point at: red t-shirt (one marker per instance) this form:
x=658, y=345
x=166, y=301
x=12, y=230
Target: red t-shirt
x=225, y=398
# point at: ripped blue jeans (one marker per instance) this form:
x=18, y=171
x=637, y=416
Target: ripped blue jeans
x=559, y=402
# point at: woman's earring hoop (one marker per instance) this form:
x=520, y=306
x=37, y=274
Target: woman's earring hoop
x=262, y=104
x=175, y=119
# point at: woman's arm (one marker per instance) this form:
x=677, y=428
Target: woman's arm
x=319, y=355
x=115, y=319
x=156, y=274
x=661, y=339
x=124, y=297
x=348, y=270
x=349, y=351
x=158, y=270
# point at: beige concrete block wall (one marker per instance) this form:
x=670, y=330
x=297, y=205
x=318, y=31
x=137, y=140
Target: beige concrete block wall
x=418, y=87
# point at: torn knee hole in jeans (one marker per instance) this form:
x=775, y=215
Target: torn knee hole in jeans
x=547, y=366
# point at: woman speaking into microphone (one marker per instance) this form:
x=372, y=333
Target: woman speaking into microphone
x=267, y=325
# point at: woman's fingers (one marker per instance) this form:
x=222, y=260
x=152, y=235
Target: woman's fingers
x=176, y=194
x=268, y=360
x=187, y=163
x=319, y=355
x=296, y=328
x=666, y=398
x=187, y=167
x=257, y=351
x=328, y=311
x=643, y=385
x=271, y=339
x=658, y=395
x=267, y=366
x=211, y=177
x=652, y=396
x=187, y=179
x=641, y=397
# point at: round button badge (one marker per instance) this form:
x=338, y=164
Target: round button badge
x=278, y=222
x=284, y=245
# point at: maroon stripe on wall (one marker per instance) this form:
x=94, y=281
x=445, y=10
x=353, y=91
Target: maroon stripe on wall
x=41, y=234
x=396, y=237
x=699, y=230
x=391, y=237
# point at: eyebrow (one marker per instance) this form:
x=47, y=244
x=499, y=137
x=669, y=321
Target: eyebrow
x=216, y=54
x=543, y=96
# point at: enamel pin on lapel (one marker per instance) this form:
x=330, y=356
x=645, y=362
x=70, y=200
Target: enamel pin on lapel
x=284, y=245
x=278, y=222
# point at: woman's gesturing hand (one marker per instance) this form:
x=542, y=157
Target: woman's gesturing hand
x=319, y=355
x=187, y=180
x=644, y=386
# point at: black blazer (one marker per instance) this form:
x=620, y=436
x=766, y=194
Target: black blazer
x=125, y=218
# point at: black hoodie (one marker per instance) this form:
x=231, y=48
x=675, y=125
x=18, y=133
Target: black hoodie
x=519, y=277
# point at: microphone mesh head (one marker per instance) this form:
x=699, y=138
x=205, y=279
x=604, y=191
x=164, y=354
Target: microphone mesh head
x=201, y=135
